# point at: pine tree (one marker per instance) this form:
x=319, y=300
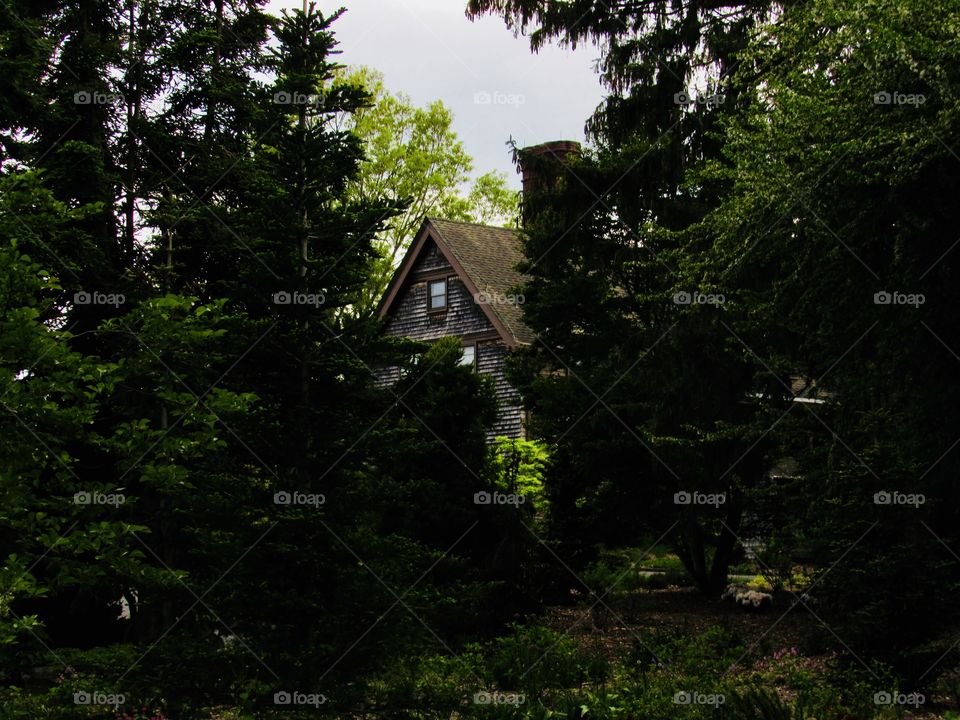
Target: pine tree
x=839, y=232
x=642, y=387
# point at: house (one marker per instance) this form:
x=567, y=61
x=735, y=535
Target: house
x=460, y=279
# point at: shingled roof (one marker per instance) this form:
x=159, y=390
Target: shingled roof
x=490, y=256
x=486, y=258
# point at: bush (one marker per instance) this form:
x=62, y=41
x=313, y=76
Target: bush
x=538, y=658
x=625, y=570
x=554, y=677
x=821, y=687
x=748, y=596
x=670, y=578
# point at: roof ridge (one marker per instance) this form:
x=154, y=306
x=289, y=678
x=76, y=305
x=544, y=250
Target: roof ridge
x=486, y=257
x=433, y=218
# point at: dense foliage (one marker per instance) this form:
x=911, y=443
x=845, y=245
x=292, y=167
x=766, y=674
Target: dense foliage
x=745, y=290
x=744, y=294
x=207, y=496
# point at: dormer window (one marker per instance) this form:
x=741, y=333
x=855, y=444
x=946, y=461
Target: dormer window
x=437, y=295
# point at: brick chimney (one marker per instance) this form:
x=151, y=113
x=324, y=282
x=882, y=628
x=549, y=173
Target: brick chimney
x=542, y=166
x=556, y=151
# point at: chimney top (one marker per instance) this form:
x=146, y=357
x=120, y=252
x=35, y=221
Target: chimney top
x=554, y=146
x=556, y=151
x=542, y=168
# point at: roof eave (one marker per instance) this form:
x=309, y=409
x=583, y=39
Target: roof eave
x=403, y=270
x=429, y=230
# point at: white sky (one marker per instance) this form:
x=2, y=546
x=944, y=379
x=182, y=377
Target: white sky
x=491, y=81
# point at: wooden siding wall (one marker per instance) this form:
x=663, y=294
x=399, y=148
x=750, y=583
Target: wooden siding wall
x=430, y=259
x=463, y=318
x=490, y=357
x=411, y=319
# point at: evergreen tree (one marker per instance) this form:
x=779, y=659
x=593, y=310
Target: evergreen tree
x=642, y=388
x=838, y=233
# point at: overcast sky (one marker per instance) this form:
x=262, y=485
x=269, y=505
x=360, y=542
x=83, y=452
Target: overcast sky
x=495, y=86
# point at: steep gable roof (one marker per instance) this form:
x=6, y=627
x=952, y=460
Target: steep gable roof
x=485, y=258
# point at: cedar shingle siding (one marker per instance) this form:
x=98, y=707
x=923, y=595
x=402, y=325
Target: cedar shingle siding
x=482, y=258
x=490, y=357
x=431, y=259
x=410, y=317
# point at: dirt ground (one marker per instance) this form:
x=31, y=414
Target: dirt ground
x=622, y=621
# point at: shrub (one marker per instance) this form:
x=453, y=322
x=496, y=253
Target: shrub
x=748, y=597
x=759, y=582
x=536, y=658
x=625, y=570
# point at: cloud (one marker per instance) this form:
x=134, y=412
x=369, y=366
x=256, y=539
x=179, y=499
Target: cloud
x=429, y=50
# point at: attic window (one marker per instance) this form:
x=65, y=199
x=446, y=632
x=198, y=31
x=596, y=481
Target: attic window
x=437, y=295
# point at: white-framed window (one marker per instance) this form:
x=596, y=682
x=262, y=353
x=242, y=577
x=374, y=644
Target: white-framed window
x=437, y=295
x=469, y=356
